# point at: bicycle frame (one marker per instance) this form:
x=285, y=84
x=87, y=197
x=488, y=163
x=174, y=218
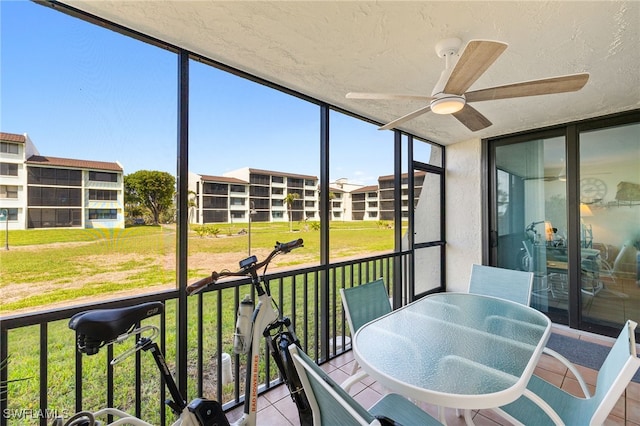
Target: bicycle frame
x=200, y=412
x=264, y=316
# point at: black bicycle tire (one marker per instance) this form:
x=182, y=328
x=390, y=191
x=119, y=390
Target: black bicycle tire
x=295, y=386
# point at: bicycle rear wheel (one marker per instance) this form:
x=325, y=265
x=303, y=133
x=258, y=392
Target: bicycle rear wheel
x=291, y=378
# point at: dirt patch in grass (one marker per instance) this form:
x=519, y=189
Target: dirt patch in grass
x=121, y=268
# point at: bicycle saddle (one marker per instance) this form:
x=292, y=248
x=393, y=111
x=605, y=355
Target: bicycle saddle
x=98, y=327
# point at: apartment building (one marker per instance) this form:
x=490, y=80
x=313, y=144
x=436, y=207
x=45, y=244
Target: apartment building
x=365, y=203
x=259, y=193
x=51, y=192
x=387, y=198
x=262, y=193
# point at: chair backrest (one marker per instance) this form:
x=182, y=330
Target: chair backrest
x=330, y=404
x=499, y=282
x=615, y=374
x=365, y=303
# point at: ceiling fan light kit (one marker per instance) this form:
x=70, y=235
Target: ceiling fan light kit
x=450, y=95
x=447, y=104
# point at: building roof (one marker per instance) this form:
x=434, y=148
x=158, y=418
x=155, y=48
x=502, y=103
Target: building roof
x=70, y=162
x=12, y=137
x=366, y=189
x=404, y=175
x=222, y=179
x=285, y=174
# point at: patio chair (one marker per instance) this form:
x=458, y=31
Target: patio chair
x=332, y=405
x=515, y=286
x=503, y=283
x=544, y=403
x=362, y=304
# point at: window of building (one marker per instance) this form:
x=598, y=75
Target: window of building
x=103, y=176
x=260, y=203
x=12, y=214
x=237, y=214
x=259, y=191
x=8, y=169
x=53, y=176
x=8, y=191
x=237, y=188
x=234, y=201
x=257, y=179
x=215, y=188
x=54, y=218
x=310, y=204
x=277, y=179
x=294, y=182
x=9, y=148
x=214, y=202
x=277, y=203
x=309, y=182
x=51, y=196
x=214, y=216
x=103, y=195
x=308, y=193
x=277, y=191
x=103, y=214
x=277, y=214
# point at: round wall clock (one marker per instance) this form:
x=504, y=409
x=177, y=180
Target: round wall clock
x=592, y=190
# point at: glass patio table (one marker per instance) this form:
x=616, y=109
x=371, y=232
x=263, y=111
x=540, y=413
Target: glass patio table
x=454, y=350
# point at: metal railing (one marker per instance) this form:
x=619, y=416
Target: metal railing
x=59, y=381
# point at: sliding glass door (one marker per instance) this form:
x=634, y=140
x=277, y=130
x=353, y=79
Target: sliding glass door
x=564, y=204
x=530, y=216
x=609, y=191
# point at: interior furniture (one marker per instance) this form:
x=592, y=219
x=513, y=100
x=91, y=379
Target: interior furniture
x=545, y=404
x=515, y=286
x=331, y=405
x=458, y=350
x=589, y=264
x=362, y=304
x=499, y=282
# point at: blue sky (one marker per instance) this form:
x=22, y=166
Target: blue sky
x=81, y=91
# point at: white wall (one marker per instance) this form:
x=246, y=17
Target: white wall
x=464, y=212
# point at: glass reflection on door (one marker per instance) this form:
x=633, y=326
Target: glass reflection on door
x=531, y=220
x=610, y=224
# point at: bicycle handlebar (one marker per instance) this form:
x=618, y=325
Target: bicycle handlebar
x=200, y=285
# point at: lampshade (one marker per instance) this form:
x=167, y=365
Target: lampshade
x=447, y=104
x=585, y=210
x=548, y=230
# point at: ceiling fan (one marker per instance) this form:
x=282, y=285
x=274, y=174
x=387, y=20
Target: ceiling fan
x=450, y=94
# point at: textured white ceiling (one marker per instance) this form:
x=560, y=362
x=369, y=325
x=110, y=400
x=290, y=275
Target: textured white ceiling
x=325, y=49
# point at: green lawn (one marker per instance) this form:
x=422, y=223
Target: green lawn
x=50, y=266
x=46, y=265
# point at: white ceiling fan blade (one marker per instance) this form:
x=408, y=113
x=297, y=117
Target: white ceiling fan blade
x=386, y=96
x=404, y=118
x=476, y=57
x=546, y=86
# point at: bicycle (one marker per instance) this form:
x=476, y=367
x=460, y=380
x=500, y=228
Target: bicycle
x=102, y=327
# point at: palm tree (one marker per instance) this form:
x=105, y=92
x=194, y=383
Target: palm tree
x=192, y=204
x=289, y=199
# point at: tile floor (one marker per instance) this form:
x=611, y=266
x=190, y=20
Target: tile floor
x=277, y=409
